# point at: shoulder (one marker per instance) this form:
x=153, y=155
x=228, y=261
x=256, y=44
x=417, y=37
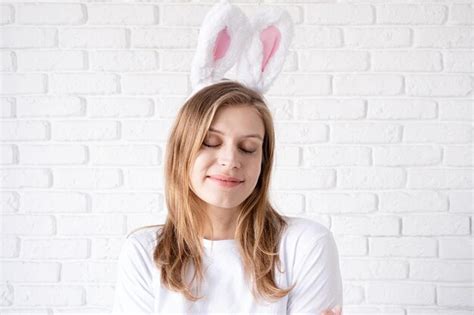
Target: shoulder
x=142, y=241
x=304, y=229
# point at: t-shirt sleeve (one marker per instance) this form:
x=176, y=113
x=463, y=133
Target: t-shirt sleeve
x=133, y=289
x=318, y=278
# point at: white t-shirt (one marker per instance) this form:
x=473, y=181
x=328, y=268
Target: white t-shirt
x=307, y=252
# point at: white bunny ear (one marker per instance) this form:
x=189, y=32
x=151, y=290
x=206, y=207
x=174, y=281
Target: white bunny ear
x=222, y=37
x=263, y=60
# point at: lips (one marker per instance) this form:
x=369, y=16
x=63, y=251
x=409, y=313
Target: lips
x=226, y=178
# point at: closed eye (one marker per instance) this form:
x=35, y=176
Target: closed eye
x=243, y=150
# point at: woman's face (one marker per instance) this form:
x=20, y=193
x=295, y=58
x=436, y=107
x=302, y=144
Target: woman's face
x=232, y=148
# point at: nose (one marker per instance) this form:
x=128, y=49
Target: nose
x=229, y=157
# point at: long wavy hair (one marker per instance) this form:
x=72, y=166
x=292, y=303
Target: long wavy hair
x=259, y=226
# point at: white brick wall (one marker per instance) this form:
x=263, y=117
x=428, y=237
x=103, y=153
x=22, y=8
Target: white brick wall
x=373, y=114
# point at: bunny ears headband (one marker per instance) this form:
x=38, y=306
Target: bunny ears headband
x=258, y=46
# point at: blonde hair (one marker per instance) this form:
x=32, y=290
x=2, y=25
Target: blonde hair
x=259, y=226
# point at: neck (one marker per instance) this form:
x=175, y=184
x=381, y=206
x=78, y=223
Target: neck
x=223, y=221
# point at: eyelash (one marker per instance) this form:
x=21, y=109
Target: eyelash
x=213, y=146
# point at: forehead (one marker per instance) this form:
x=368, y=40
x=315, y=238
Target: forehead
x=241, y=120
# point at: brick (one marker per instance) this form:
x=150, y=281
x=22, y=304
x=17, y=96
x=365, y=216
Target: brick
x=440, y=178
x=84, y=83
x=435, y=225
x=8, y=154
x=168, y=106
x=437, y=133
x=60, y=249
x=91, y=225
x=368, y=84
x=145, y=155
x=366, y=310
x=93, y=37
x=315, y=109
x=106, y=248
x=85, y=130
x=402, y=247
x=441, y=271
x=287, y=156
x=406, y=155
x=6, y=60
x=371, y=178
x=301, y=85
x=303, y=133
x=456, y=248
x=461, y=13
x=164, y=37
x=139, y=220
x=411, y=14
x=304, y=179
x=51, y=60
x=289, y=203
x=401, y=109
x=458, y=61
x=62, y=295
x=52, y=154
x=9, y=201
x=50, y=13
x=341, y=202
x=15, y=83
x=188, y=15
x=154, y=83
x=445, y=85
x=456, y=110
x=28, y=37
x=100, y=295
x=407, y=61
x=149, y=130
x=461, y=201
x=351, y=246
x=119, y=107
x=9, y=248
x=6, y=14
x=353, y=294
x=281, y=108
x=127, y=202
x=332, y=13
x=124, y=61
x=24, y=130
x=28, y=225
x=365, y=269
x=49, y=107
x=91, y=272
x=333, y=60
x=412, y=201
x=317, y=37
x=30, y=271
x=378, y=37
x=7, y=107
x=87, y=178
x=365, y=225
x=426, y=311
x=443, y=37
x=400, y=293
x=458, y=156
x=365, y=133
x=25, y=178
x=150, y=178
x=176, y=60
x=56, y=202
x=122, y=14
x=315, y=156
x=455, y=296
x=6, y=294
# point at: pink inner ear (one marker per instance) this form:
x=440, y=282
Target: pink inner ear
x=270, y=38
x=222, y=44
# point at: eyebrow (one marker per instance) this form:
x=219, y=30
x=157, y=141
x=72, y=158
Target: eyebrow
x=247, y=136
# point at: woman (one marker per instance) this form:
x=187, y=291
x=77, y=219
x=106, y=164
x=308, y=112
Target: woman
x=224, y=248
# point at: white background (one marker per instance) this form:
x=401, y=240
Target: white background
x=373, y=112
